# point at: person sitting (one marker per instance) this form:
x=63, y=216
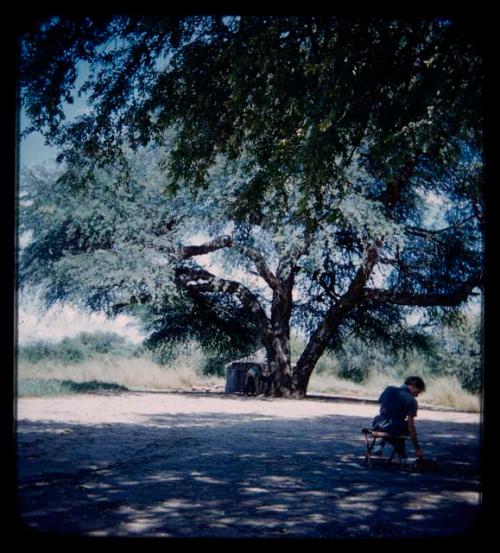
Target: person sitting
x=266, y=382
x=253, y=380
x=398, y=409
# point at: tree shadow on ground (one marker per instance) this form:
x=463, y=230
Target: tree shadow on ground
x=240, y=475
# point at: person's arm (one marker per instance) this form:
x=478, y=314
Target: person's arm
x=413, y=435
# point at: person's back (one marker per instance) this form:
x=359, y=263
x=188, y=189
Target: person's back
x=398, y=409
x=396, y=403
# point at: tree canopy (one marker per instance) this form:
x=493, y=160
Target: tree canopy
x=309, y=151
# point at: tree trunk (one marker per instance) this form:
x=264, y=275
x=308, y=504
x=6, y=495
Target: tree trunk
x=336, y=314
x=279, y=361
x=313, y=351
x=277, y=340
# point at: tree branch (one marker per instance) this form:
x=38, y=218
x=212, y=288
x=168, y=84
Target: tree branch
x=355, y=292
x=428, y=232
x=260, y=264
x=402, y=267
x=457, y=296
x=328, y=289
x=134, y=300
x=433, y=234
x=199, y=280
x=335, y=314
x=187, y=252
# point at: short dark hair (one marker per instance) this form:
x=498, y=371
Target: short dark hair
x=415, y=381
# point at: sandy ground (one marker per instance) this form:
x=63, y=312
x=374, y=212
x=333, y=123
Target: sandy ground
x=212, y=465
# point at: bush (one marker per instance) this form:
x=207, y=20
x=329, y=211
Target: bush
x=70, y=351
x=36, y=351
x=215, y=366
x=77, y=349
x=357, y=360
x=462, y=355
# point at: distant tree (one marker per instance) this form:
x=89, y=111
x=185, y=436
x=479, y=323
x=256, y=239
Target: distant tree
x=460, y=353
x=308, y=149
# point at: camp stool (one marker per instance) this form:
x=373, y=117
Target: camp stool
x=371, y=437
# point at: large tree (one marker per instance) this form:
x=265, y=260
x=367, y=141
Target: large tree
x=309, y=150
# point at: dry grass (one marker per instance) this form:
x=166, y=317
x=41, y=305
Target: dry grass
x=447, y=392
x=332, y=384
x=441, y=392
x=136, y=374
x=185, y=373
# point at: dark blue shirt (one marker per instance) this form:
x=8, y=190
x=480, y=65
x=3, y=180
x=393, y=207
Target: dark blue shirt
x=396, y=404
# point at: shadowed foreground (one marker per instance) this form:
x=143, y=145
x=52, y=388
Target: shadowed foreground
x=178, y=465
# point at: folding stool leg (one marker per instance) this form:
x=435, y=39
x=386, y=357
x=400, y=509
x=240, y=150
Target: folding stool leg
x=398, y=446
x=369, y=447
x=389, y=461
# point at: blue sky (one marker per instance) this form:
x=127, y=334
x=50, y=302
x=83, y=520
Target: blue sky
x=32, y=149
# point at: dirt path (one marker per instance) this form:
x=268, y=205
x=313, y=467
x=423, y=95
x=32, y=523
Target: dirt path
x=166, y=464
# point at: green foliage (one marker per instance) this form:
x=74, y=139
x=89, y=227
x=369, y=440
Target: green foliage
x=461, y=354
x=215, y=365
x=77, y=349
x=358, y=360
x=222, y=328
x=91, y=244
x=316, y=117
x=295, y=93
x=312, y=140
x=284, y=100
